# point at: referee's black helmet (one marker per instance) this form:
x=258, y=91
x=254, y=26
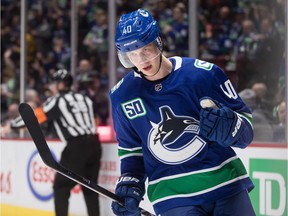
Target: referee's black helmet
x=64, y=76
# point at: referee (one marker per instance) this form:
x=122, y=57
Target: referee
x=73, y=119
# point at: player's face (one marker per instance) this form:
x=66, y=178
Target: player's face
x=146, y=59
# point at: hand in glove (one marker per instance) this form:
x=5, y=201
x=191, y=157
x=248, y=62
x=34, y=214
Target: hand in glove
x=219, y=123
x=132, y=190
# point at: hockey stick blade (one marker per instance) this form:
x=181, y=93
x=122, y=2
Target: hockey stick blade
x=39, y=140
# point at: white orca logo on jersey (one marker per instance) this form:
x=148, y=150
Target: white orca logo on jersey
x=174, y=139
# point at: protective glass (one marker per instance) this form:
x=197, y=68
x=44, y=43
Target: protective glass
x=139, y=56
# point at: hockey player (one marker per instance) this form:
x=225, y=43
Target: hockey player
x=176, y=120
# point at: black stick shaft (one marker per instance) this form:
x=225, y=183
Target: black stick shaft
x=38, y=137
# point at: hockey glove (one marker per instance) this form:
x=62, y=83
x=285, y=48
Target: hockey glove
x=220, y=124
x=132, y=189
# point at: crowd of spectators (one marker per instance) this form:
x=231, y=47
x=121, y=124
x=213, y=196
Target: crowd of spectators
x=245, y=38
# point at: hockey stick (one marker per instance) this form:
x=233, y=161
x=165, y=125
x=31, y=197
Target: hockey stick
x=37, y=135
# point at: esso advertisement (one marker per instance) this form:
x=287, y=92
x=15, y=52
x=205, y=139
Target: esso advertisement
x=40, y=177
x=5, y=182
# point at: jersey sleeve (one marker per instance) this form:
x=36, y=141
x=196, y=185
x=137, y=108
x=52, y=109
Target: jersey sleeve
x=41, y=116
x=224, y=92
x=129, y=145
x=18, y=123
x=50, y=108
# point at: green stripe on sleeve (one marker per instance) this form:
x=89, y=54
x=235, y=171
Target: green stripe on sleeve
x=129, y=152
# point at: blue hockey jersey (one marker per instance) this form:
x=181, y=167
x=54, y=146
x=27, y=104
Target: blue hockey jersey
x=157, y=127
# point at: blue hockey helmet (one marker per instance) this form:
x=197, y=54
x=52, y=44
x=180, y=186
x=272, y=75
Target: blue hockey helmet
x=134, y=31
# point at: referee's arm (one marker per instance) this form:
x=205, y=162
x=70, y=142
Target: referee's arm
x=18, y=123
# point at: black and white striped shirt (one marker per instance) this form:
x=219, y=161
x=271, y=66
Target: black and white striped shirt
x=72, y=115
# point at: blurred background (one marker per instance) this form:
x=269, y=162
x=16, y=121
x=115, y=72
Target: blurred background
x=246, y=38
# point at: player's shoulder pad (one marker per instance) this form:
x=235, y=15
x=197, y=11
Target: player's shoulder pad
x=211, y=69
x=123, y=85
x=204, y=65
x=116, y=86
x=51, y=99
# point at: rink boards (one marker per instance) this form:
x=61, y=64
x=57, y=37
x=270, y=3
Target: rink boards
x=26, y=183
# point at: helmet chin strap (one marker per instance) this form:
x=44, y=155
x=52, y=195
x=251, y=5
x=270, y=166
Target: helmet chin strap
x=144, y=75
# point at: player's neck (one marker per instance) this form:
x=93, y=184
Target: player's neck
x=164, y=70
